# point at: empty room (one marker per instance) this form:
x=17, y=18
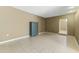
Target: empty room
x=39, y=29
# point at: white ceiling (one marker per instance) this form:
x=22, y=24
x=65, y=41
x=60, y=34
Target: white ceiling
x=47, y=11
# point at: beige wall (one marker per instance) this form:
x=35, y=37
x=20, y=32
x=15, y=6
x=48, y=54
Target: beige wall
x=53, y=23
x=70, y=23
x=77, y=25
x=16, y=23
x=73, y=23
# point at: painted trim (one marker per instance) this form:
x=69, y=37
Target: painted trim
x=14, y=39
x=41, y=33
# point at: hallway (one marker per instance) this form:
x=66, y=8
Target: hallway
x=43, y=43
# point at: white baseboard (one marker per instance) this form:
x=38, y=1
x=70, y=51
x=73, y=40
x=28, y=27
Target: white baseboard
x=41, y=33
x=14, y=39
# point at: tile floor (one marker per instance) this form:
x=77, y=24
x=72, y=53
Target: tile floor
x=43, y=43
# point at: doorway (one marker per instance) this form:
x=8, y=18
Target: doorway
x=63, y=26
x=33, y=29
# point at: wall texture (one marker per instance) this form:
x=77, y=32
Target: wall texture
x=70, y=23
x=77, y=25
x=53, y=23
x=15, y=23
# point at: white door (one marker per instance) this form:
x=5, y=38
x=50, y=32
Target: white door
x=63, y=26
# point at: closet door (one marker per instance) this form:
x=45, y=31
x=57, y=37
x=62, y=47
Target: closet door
x=33, y=28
